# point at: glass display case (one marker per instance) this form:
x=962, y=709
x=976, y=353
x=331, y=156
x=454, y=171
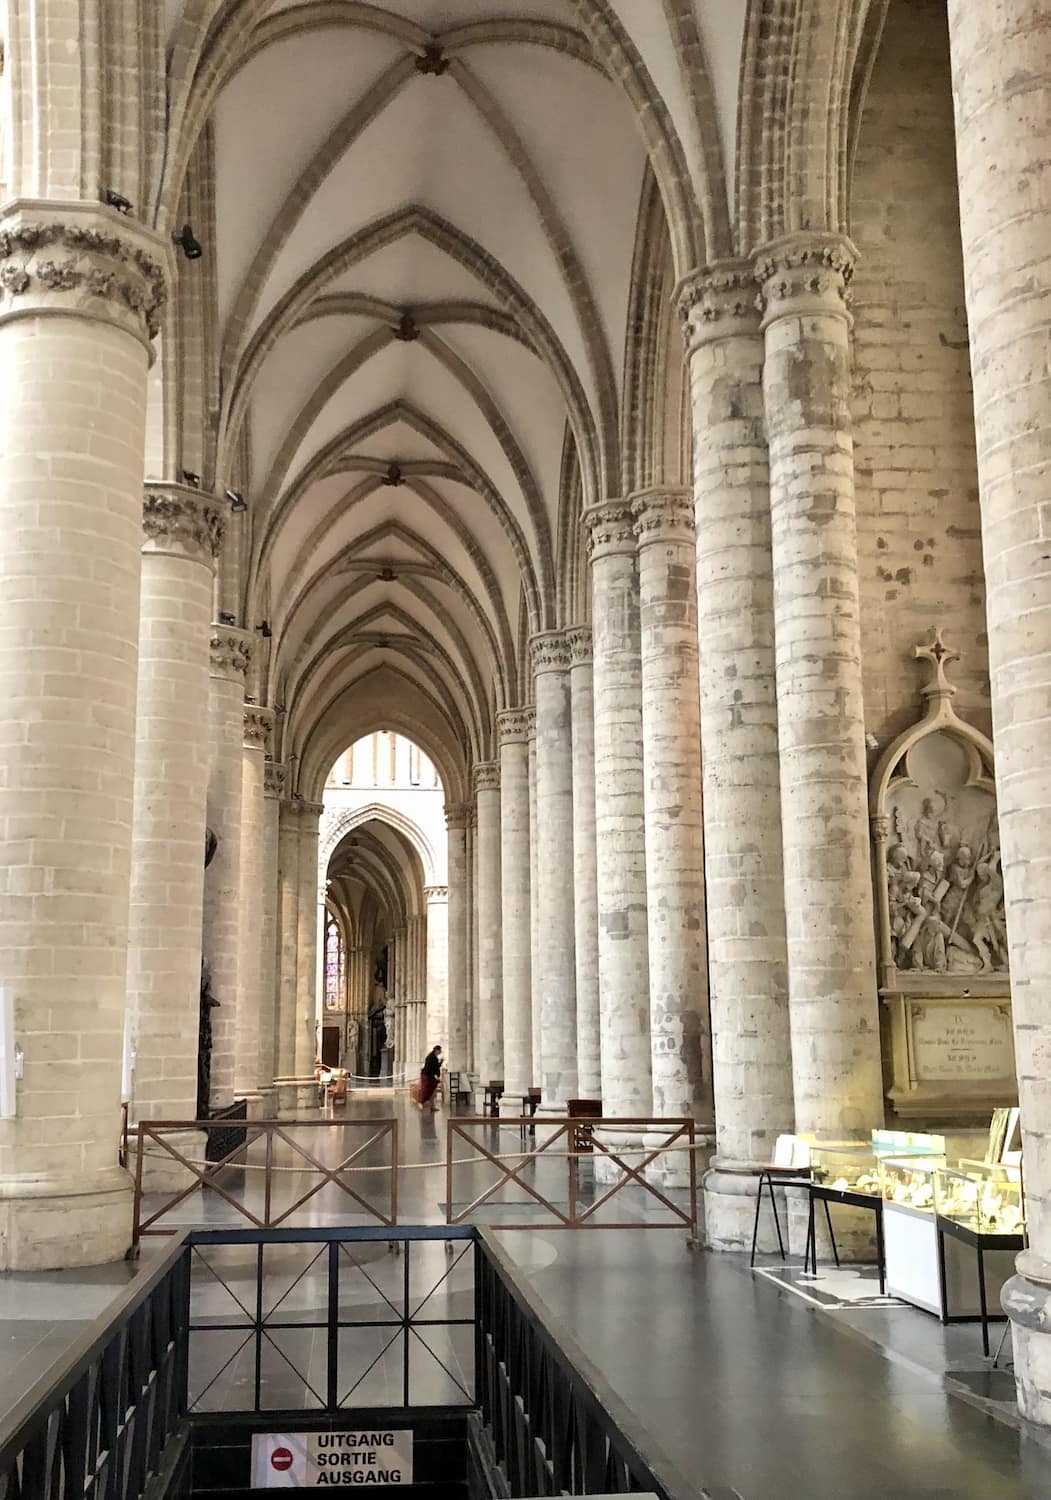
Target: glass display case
x=983, y=1197
x=846, y=1169
x=909, y=1181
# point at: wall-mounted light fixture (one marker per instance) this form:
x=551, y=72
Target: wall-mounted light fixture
x=188, y=243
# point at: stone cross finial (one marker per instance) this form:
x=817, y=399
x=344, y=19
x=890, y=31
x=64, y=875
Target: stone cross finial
x=937, y=653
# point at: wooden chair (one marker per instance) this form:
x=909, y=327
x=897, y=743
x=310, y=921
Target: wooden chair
x=491, y=1097
x=584, y=1109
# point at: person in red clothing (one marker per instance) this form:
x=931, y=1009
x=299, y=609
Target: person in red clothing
x=430, y=1077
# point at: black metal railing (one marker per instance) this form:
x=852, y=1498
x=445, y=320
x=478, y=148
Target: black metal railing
x=314, y=1325
x=95, y=1427
x=555, y=1427
x=302, y=1319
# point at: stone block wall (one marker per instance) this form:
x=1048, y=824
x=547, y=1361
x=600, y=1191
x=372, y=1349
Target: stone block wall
x=919, y=539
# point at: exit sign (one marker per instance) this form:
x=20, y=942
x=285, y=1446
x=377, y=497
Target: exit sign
x=331, y=1460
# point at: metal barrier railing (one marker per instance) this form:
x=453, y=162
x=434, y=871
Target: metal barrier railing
x=555, y=1425
x=307, y=1309
x=575, y=1141
x=96, y=1426
x=248, y=1187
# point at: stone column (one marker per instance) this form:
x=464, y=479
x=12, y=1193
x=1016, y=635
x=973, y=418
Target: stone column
x=307, y=1039
x=680, y=1037
x=536, y=1068
x=455, y=1041
x=437, y=1012
x=490, y=977
x=472, y=973
x=620, y=835
x=476, y=964
x=287, y=952
x=550, y=659
x=274, y=782
x=513, y=729
x=230, y=655
x=250, y=1062
x=833, y=1006
x=182, y=531
x=80, y=289
x=1001, y=64
x=747, y=953
x=585, y=873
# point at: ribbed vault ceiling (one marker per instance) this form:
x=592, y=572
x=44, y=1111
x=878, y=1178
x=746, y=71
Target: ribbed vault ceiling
x=426, y=221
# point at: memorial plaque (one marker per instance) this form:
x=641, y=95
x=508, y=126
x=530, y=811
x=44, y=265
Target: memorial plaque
x=961, y=1042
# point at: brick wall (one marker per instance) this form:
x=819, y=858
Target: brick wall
x=917, y=489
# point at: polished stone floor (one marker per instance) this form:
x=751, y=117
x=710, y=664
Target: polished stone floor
x=742, y=1385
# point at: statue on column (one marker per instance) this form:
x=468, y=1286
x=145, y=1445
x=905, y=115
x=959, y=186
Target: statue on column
x=208, y=1004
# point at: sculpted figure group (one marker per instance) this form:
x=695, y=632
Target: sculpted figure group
x=946, y=896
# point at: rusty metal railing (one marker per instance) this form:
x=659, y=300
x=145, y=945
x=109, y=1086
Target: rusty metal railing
x=235, y=1179
x=575, y=1141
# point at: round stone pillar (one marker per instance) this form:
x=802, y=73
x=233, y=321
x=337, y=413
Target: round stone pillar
x=833, y=1007
x=231, y=652
x=536, y=1064
x=182, y=531
x=490, y=1021
x=513, y=728
x=585, y=873
x=455, y=1042
x=307, y=1039
x=437, y=1012
x=274, y=782
x=249, y=1080
x=1001, y=67
x=287, y=951
x=620, y=832
x=680, y=1040
x=80, y=288
x=745, y=888
x=550, y=658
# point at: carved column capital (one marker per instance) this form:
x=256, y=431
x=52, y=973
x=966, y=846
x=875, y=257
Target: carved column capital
x=258, y=727
x=581, y=648
x=486, y=776
x=82, y=258
x=610, y=529
x=275, y=780
x=231, y=652
x=457, y=814
x=309, y=816
x=515, y=725
x=805, y=274
x=550, y=652
x=663, y=515
x=436, y=893
x=718, y=302
x=181, y=522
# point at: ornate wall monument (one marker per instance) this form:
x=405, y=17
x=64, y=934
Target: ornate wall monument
x=942, y=941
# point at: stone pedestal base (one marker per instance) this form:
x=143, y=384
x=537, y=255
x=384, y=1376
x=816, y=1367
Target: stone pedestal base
x=50, y=1226
x=1028, y=1305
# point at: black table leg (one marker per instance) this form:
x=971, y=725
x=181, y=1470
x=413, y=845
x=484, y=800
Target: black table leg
x=944, y=1285
x=777, y=1219
x=755, y=1221
x=982, y=1302
x=831, y=1236
x=881, y=1258
x=811, y=1239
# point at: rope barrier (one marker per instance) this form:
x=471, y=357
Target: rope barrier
x=465, y=1161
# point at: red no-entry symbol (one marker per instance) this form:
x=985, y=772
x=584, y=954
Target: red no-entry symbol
x=281, y=1459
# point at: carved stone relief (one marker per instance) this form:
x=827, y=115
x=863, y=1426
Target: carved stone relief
x=938, y=880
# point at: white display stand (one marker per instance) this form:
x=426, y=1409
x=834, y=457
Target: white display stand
x=910, y=1247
